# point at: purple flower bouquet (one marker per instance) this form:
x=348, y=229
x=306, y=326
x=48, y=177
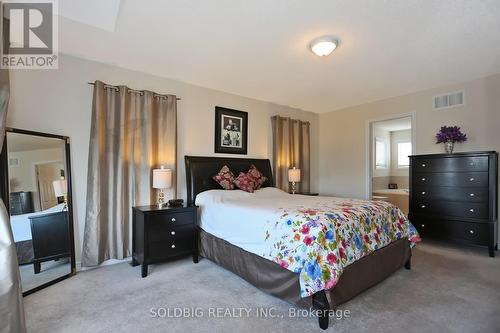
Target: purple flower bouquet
x=449, y=135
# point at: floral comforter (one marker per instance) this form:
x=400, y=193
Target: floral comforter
x=320, y=242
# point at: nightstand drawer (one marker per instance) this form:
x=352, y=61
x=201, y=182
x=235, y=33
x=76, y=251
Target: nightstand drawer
x=160, y=220
x=171, y=247
x=169, y=232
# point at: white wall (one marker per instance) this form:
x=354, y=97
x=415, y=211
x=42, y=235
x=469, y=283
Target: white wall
x=59, y=101
x=342, y=167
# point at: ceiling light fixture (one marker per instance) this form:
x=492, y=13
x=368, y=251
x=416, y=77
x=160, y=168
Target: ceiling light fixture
x=323, y=46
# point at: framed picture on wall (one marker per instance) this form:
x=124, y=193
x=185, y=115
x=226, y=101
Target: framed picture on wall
x=231, y=131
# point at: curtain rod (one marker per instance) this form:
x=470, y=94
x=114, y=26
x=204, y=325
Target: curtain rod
x=130, y=90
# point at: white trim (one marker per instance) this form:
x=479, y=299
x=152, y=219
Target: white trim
x=368, y=148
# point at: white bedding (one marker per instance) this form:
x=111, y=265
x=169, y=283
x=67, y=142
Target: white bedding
x=21, y=228
x=242, y=218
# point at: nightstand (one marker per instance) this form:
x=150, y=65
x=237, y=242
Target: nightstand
x=160, y=234
x=308, y=193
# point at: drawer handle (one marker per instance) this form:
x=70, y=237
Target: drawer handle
x=471, y=210
x=423, y=179
x=423, y=192
x=173, y=246
x=172, y=232
x=471, y=163
x=423, y=225
x=172, y=219
x=423, y=206
x=471, y=232
x=472, y=194
x=471, y=179
x=423, y=165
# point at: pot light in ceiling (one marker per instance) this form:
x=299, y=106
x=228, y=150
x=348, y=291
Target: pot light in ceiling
x=323, y=46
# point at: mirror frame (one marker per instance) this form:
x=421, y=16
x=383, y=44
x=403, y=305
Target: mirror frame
x=5, y=194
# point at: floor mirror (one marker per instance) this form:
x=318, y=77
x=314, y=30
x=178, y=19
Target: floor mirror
x=36, y=188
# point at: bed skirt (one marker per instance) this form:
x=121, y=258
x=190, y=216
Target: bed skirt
x=284, y=284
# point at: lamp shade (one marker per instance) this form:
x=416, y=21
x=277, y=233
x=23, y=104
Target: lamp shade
x=162, y=178
x=60, y=187
x=294, y=175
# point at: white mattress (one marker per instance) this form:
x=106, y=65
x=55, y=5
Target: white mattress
x=242, y=218
x=21, y=228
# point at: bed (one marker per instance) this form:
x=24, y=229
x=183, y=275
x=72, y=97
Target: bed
x=257, y=245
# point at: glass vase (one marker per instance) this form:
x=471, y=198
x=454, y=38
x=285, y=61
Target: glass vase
x=448, y=147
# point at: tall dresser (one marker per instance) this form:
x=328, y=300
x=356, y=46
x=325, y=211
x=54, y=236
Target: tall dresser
x=454, y=197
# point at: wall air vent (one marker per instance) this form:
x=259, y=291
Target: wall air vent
x=449, y=100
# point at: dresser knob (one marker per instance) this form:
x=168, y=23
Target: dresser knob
x=423, y=225
x=471, y=163
x=472, y=194
x=423, y=192
x=471, y=179
x=471, y=232
x=172, y=232
x=423, y=179
x=423, y=165
x=172, y=219
x=173, y=246
x=471, y=210
x=423, y=206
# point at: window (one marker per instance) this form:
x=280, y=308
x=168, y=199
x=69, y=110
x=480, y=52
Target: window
x=404, y=150
x=380, y=153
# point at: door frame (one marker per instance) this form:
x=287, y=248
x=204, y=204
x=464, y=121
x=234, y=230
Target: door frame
x=369, y=146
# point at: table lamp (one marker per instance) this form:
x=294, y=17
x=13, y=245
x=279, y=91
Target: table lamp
x=162, y=179
x=294, y=177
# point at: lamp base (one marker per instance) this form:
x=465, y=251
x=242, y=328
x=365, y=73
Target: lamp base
x=294, y=187
x=160, y=203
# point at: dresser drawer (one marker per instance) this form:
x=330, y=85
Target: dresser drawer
x=170, y=232
x=460, y=179
x=451, y=164
x=464, y=194
x=471, y=210
x=157, y=220
x=475, y=233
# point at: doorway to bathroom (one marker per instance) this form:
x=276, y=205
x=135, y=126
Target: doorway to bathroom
x=391, y=142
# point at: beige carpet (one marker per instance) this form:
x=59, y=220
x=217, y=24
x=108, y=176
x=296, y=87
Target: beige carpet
x=448, y=290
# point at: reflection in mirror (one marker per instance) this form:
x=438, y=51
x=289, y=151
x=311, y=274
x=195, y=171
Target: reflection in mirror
x=38, y=208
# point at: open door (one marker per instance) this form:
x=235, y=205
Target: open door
x=46, y=174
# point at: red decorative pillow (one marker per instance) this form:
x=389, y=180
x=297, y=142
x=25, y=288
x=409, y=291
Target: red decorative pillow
x=257, y=176
x=225, y=178
x=245, y=182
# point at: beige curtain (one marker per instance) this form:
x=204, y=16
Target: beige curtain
x=132, y=133
x=291, y=148
x=11, y=299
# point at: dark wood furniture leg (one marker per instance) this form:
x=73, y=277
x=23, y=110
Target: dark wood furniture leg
x=320, y=303
x=37, y=266
x=144, y=270
x=491, y=251
x=134, y=262
x=408, y=263
x=196, y=246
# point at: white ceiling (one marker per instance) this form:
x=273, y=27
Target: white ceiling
x=259, y=48
x=17, y=142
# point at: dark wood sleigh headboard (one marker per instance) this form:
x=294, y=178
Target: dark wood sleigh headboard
x=201, y=169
